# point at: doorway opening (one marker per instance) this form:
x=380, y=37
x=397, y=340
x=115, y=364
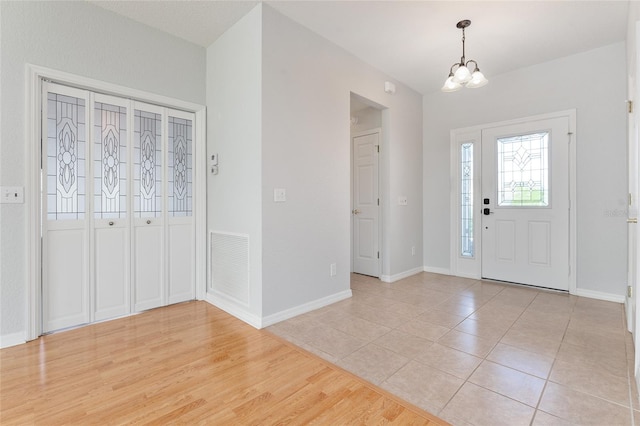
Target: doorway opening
x=366, y=208
x=512, y=214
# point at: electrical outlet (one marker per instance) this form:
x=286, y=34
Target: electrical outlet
x=332, y=270
x=12, y=194
x=413, y=251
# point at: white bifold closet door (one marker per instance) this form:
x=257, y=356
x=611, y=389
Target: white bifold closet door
x=118, y=229
x=65, y=199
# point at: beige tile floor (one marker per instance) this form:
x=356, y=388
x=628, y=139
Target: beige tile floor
x=480, y=353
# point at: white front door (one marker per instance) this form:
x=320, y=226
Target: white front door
x=366, y=208
x=525, y=203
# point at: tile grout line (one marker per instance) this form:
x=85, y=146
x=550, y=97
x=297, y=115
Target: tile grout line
x=555, y=358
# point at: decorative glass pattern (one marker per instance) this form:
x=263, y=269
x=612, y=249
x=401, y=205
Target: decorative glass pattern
x=147, y=151
x=180, y=166
x=523, y=170
x=466, y=200
x=110, y=161
x=66, y=144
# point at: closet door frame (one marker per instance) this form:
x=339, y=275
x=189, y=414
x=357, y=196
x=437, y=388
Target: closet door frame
x=35, y=75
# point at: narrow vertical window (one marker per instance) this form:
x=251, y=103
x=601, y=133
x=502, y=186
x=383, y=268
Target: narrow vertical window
x=66, y=140
x=180, y=173
x=110, y=161
x=147, y=160
x=466, y=201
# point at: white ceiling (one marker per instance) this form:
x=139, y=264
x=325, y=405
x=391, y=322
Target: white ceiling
x=415, y=42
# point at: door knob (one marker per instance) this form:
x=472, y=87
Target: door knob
x=148, y=222
x=111, y=223
x=355, y=211
x=632, y=220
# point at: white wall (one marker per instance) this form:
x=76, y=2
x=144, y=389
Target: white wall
x=592, y=82
x=234, y=132
x=307, y=83
x=86, y=40
x=368, y=118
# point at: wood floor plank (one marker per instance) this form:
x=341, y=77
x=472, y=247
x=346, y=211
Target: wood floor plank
x=189, y=363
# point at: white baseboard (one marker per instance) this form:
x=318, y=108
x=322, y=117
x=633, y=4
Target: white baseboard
x=235, y=310
x=436, y=270
x=303, y=309
x=592, y=294
x=401, y=275
x=14, y=339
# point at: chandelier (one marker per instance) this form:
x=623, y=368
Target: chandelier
x=460, y=74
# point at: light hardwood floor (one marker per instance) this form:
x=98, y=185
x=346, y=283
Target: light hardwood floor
x=189, y=363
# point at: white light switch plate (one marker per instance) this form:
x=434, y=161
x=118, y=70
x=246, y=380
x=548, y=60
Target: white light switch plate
x=279, y=195
x=12, y=194
x=402, y=200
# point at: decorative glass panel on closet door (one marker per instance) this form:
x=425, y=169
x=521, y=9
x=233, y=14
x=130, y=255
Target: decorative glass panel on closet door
x=466, y=201
x=523, y=170
x=147, y=158
x=66, y=156
x=110, y=161
x=180, y=166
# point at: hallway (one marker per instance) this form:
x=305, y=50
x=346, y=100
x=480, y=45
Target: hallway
x=477, y=352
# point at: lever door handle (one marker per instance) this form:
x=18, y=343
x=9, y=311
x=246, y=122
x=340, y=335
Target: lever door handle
x=632, y=220
x=486, y=211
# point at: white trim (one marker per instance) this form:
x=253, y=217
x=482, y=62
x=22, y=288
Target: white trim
x=401, y=275
x=436, y=270
x=13, y=339
x=592, y=294
x=32, y=205
x=200, y=204
x=571, y=115
x=34, y=75
x=304, y=308
x=221, y=302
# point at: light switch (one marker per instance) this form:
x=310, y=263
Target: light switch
x=279, y=195
x=402, y=200
x=12, y=194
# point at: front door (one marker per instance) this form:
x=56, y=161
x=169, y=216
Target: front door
x=525, y=203
x=366, y=204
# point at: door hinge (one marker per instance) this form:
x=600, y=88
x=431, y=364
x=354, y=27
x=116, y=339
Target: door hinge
x=630, y=199
x=630, y=106
x=378, y=201
x=378, y=255
x=378, y=148
x=629, y=291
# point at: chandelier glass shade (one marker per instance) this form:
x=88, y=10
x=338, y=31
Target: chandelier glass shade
x=464, y=73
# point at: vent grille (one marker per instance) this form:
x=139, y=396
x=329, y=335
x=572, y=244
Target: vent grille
x=230, y=265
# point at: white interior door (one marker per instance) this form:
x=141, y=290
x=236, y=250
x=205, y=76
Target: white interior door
x=180, y=241
x=110, y=229
x=118, y=228
x=65, y=199
x=525, y=203
x=148, y=189
x=366, y=208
